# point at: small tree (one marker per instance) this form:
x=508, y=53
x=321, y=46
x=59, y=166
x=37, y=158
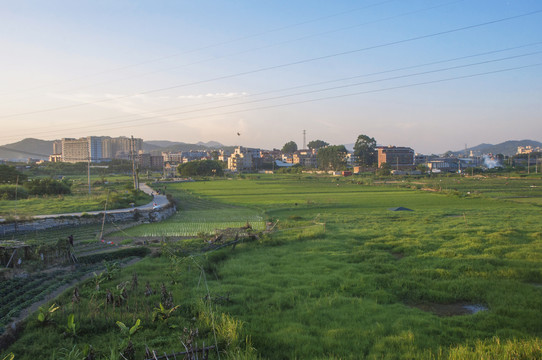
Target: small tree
x=332, y=157
x=384, y=170
x=289, y=148
x=365, y=150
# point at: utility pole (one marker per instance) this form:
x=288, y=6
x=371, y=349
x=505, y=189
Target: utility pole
x=132, y=155
x=529, y=163
x=304, y=139
x=88, y=165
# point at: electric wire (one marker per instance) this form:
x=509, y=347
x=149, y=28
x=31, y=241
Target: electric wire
x=336, y=96
x=304, y=61
x=258, y=48
x=131, y=121
x=210, y=46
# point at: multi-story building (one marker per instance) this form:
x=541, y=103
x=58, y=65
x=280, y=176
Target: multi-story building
x=120, y=147
x=148, y=161
x=396, y=157
x=244, y=159
x=57, y=147
x=444, y=165
x=528, y=149
x=306, y=158
x=172, y=157
x=194, y=155
x=83, y=149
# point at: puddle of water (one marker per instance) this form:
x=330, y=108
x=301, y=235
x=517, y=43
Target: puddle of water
x=475, y=308
x=451, y=309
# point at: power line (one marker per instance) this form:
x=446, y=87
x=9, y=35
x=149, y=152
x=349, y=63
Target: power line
x=264, y=47
x=344, y=95
x=132, y=120
x=318, y=58
x=220, y=43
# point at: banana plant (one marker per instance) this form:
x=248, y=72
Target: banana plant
x=162, y=313
x=128, y=332
x=45, y=315
x=71, y=326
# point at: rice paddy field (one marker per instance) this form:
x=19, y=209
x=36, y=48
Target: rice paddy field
x=197, y=216
x=342, y=276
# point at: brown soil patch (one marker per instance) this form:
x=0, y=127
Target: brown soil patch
x=451, y=309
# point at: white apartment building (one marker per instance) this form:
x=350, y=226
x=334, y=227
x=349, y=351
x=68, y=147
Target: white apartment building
x=83, y=149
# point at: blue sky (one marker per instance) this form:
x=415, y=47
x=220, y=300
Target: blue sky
x=433, y=75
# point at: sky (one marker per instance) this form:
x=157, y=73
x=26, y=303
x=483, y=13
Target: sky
x=434, y=75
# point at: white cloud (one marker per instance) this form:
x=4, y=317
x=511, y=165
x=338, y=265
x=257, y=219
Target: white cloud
x=213, y=95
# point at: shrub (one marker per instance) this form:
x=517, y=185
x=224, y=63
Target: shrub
x=12, y=192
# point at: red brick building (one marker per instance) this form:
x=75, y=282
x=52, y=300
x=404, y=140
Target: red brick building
x=398, y=158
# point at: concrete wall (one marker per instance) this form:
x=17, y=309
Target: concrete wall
x=71, y=221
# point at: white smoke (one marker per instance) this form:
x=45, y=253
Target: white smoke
x=491, y=162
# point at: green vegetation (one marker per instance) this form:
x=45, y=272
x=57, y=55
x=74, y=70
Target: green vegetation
x=332, y=157
x=10, y=175
x=201, y=168
x=340, y=277
x=197, y=215
x=115, y=190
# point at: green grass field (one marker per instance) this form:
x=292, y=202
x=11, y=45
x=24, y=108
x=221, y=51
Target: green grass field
x=342, y=277
x=116, y=192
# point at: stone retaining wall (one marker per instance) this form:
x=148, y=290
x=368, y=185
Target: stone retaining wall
x=70, y=221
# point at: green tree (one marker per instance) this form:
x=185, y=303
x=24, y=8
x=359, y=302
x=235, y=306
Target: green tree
x=289, y=148
x=201, y=168
x=365, y=150
x=317, y=144
x=332, y=157
x=9, y=174
x=384, y=170
x=48, y=186
x=422, y=168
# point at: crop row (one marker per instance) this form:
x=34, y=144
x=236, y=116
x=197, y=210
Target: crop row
x=191, y=228
x=20, y=293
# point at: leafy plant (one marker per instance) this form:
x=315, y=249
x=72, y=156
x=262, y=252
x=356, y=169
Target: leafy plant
x=71, y=326
x=45, y=315
x=162, y=313
x=127, y=333
x=73, y=354
x=9, y=356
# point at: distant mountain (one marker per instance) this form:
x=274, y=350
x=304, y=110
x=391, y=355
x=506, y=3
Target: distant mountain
x=27, y=148
x=507, y=148
x=211, y=144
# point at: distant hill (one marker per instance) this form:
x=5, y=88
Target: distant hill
x=41, y=149
x=507, y=148
x=27, y=148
